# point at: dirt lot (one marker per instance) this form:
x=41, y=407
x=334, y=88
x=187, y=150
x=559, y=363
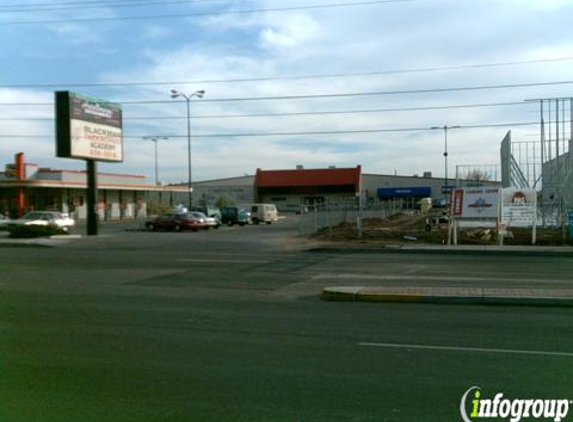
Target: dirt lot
x=411, y=227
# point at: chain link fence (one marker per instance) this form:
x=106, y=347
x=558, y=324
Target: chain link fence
x=316, y=217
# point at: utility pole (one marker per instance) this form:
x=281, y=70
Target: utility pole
x=445, y=128
x=187, y=98
x=155, y=139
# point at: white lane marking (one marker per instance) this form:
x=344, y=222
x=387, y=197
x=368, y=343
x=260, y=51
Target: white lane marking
x=467, y=349
x=224, y=261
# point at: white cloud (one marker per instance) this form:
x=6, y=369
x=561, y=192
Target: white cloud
x=350, y=40
x=291, y=33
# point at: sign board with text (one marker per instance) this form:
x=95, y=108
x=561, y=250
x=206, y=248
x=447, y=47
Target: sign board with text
x=88, y=128
x=475, y=203
x=518, y=207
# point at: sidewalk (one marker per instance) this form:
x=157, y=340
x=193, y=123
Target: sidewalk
x=451, y=295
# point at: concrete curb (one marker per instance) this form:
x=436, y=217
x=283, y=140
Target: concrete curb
x=447, y=295
x=490, y=250
x=66, y=236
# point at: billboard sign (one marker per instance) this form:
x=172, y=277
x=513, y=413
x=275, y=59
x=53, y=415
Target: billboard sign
x=518, y=207
x=475, y=203
x=88, y=128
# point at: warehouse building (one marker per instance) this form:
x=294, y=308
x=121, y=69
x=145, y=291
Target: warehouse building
x=233, y=190
x=292, y=188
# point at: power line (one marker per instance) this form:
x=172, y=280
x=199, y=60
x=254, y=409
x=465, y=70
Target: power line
x=294, y=77
x=293, y=114
x=349, y=132
x=219, y=13
x=52, y=3
x=309, y=133
x=325, y=96
x=96, y=5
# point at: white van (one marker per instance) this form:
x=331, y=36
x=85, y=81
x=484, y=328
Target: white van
x=262, y=213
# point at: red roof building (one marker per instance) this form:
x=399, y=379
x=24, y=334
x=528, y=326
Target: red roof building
x=309, y=177
x=291, y=188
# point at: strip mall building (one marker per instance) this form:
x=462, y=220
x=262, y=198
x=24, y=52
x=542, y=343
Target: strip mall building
x=25, y=186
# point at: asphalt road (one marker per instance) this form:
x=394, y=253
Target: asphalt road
x=227, y=326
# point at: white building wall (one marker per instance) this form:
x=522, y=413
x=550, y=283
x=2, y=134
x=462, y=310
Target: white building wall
x=293, y=203
x=238, y=190
x=211, y=194
x=371, y=183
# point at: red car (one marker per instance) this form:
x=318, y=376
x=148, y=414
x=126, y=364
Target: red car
x=176, y=222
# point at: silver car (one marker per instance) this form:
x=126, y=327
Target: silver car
x=210, y=221
x=44, y=218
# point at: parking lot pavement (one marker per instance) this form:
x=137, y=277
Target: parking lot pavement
x=228, y=325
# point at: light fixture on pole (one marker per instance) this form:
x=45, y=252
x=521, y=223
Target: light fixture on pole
x=154, y=139
x=445, y=128
x=198, y=94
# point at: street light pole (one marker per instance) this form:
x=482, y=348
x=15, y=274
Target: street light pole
x=445, y=128
x=198, y=94
x=154, y=139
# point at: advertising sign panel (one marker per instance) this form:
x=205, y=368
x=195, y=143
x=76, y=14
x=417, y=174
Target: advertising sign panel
x=480, y=203
x=475, y=202
x=88, y=128
x=456, y=202
x=518, y=207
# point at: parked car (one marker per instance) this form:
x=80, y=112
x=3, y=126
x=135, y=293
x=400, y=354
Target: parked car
x=179, y=209
x=176, y=222
x=209, y=221
x=44, y=218
x=209, y=211
x=3, y=221
x=301, y=209
x=235, y=215
x=262, y=213
x=213, y=215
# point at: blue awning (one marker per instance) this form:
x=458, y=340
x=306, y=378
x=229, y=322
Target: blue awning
x=418, y=192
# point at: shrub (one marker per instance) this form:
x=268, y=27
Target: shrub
x=223, y=201
x=30, y=232
x=157, y=208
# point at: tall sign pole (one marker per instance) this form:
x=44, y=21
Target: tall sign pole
x=91, y=200
x=88, y=129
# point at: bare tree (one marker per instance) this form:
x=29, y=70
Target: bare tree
x=478, y=176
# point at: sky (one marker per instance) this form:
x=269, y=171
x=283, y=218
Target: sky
x=336, y=82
